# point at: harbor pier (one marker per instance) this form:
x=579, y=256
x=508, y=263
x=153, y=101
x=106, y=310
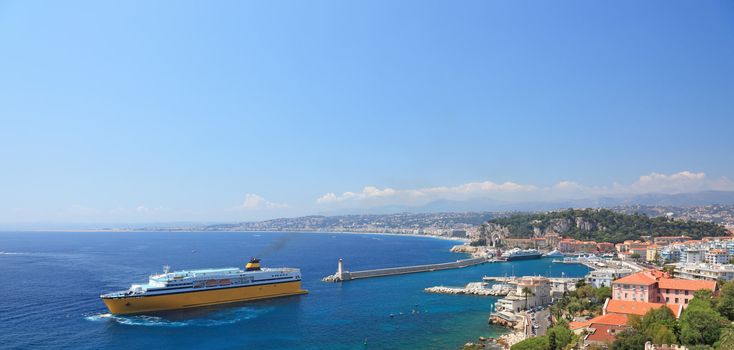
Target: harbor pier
x=344, y=275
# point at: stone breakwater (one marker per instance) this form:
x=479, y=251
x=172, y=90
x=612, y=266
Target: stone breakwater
x=350, y=275
x=474, y=288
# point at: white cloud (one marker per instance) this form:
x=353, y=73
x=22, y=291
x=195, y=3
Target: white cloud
x=253, y=201
x=422, y=195
x=684, y=181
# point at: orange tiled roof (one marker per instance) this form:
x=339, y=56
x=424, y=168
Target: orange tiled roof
x=659, y=273
x=576, y=325
x=603, y=333
x=641, y=278
x=638, y=307
x=677, y=283
x=610, y=319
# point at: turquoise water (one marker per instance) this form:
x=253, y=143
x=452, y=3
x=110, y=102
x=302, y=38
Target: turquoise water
x=52, y=282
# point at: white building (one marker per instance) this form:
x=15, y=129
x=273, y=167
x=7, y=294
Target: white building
x=604, y=277
x=692, y=256
x=717, y=256
x=539, y=295
x=703, y=271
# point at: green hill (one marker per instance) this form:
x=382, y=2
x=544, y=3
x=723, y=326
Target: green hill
x=603, y=225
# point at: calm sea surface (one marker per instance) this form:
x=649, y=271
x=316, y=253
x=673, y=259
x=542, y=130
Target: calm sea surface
x=49, y=294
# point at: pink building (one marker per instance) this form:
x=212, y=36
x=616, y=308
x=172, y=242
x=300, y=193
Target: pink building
x=653, y=286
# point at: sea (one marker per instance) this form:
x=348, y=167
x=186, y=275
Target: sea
x=50, y=284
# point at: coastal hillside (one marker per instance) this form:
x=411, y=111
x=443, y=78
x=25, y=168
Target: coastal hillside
x=601, y=225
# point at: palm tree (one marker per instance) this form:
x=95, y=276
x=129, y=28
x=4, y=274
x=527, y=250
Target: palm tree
x=526, y=291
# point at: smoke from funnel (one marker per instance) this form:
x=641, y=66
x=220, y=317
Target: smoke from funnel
x=277, y=245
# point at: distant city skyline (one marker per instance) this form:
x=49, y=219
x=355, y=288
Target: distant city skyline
x=236, y=111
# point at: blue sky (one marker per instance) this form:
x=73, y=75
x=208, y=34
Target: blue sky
x=170, y=111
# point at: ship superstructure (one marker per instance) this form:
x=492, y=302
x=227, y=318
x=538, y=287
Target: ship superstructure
x=521, y=254
x=194, y=288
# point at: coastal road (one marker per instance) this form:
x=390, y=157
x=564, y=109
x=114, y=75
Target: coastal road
x=541, y=320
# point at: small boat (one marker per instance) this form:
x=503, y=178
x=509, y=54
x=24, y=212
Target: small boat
x=554, y=254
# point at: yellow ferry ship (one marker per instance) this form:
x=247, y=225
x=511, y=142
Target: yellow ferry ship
x=194, y=288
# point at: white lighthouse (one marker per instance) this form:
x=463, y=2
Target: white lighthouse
x=340, y=268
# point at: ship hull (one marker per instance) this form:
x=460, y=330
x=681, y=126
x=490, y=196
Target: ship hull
x=523, y=257
x=191, y=299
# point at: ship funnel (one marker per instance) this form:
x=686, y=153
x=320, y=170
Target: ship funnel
x=253, y=265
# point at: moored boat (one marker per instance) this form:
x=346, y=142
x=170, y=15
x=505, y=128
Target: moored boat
x=554, y=254
x=521, y=254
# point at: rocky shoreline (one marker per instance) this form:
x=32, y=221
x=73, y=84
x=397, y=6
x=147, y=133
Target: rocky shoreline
x=510, y=339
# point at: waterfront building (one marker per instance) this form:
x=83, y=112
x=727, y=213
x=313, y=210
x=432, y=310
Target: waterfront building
x=522, y=243
x=604, y=277
x=605, y=247
x=667, y=240
x=570, y=245
x=539, y=295
x=703, y=271
x=717, y=256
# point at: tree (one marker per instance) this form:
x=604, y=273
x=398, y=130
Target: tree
x=725, y=305
x=726, y=341
x=574, y=307
x=602, y=293
x=635, y=322
x=700, y=323
x=660, y=316
x=535, y=343
x=586, y=291
x=629, y=339
x=661, y=334
x=552, y=341
x=562, y=336
x=526, y=292
x=635, y=256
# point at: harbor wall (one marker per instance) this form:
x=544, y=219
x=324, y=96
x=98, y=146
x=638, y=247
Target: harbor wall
x=350, y=275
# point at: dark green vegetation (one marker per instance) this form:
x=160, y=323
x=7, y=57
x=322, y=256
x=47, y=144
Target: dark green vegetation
x=557, y=338
x=584, y=301
x=603, y=225
x=704, y=325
